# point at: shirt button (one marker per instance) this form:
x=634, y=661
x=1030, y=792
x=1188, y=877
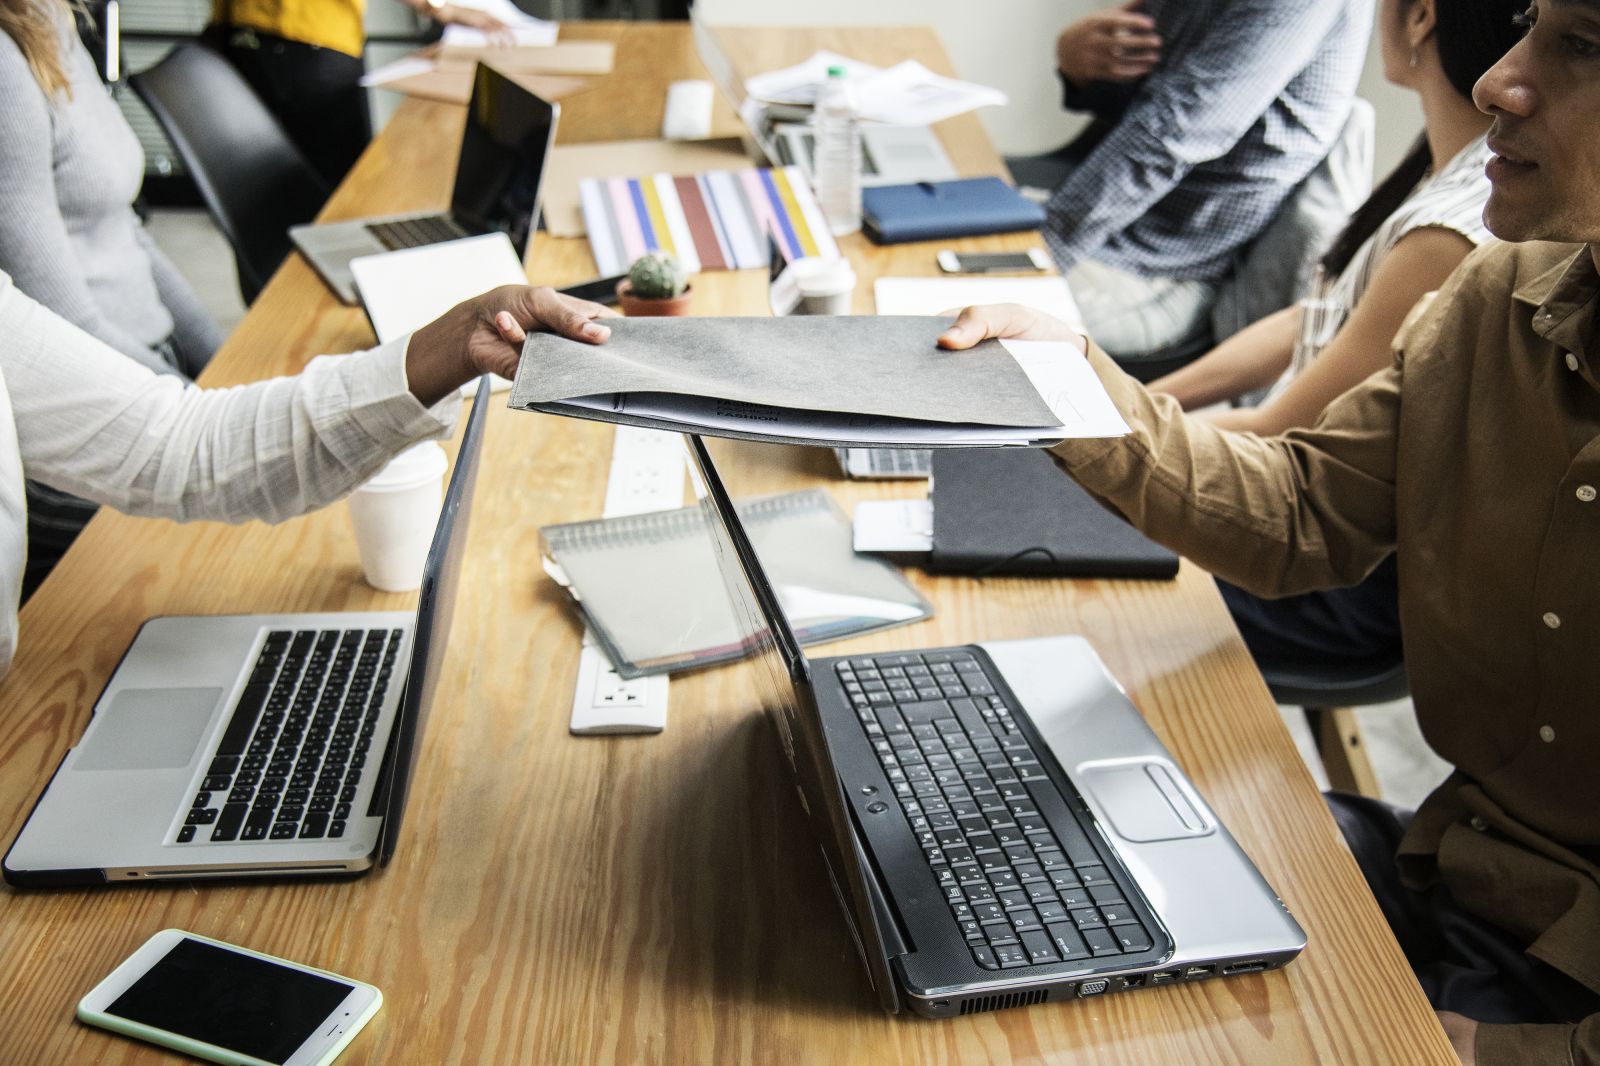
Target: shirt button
x=1546, y=734
x=1552, y=620
x=1572, y=361
x=1586, y=493
x=1478, y=823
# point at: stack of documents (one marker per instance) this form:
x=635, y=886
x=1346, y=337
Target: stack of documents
x=837, y=381
x=907, y=94
x=718, y=220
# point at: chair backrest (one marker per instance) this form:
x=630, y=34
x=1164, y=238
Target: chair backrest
x=1277, y=266
x=254, y=181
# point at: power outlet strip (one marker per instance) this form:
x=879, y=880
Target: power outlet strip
x=647, y=468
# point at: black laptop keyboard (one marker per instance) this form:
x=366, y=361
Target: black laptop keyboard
x=1024, y=892
x=416, y=232
x=290, y=761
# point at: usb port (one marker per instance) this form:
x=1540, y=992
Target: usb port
x=1196, y=972
x=1245, y=967
x=1163, y=975
x=1136, y=981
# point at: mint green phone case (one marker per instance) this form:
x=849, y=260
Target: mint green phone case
x=211, y=1052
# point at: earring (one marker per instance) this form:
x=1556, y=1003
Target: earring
x=1414, y=58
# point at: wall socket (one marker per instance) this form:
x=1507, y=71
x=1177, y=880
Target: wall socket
x=647, y=468
x=606, y=702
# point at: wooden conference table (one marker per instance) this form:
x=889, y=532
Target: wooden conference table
x=558, y=899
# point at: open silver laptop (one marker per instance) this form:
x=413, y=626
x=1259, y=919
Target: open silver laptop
x=254, y=745
x=1001, y=826
x=504, y=147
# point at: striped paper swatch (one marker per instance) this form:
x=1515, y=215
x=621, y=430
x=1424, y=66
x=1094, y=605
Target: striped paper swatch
x=718, y=220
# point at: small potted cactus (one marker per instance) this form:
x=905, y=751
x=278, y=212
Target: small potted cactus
x=656, y=284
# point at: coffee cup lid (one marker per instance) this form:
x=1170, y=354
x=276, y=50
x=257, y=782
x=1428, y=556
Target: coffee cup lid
x=417, y=464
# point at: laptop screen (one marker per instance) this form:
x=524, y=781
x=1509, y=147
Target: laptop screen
x=786, y=696
x=436, y=608
x=503, y=152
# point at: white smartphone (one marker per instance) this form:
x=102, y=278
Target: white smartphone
x=1031, y=261
x=226, y=1004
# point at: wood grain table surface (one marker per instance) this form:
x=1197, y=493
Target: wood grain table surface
x=559, y=899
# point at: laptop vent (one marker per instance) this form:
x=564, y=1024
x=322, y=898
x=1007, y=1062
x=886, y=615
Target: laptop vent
x=1010, y=999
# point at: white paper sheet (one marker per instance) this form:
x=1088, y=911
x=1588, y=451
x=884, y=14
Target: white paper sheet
x=934, y=296
x=893, y=526
x=527, y=30
x=400, y=68
x=907, y=94
x=405, y=290
x=1068, y=384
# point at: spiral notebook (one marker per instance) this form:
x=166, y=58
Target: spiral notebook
x=651, y=591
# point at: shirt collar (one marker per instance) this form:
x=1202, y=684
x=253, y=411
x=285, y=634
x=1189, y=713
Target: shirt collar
x=1564, y=297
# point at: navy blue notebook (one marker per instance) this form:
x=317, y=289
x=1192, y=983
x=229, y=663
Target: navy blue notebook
x=930, y=210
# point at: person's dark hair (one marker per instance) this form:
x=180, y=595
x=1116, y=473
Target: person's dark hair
x=1471, y=36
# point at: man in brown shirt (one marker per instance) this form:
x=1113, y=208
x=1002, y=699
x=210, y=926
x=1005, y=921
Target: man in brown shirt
x=1476, y=459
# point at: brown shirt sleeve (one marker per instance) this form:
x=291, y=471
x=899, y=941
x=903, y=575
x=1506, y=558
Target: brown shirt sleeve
x=1311, y=509
x=1521, y=1045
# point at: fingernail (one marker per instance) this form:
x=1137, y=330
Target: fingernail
x=595, y=330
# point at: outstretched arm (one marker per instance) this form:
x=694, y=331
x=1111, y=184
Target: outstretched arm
x=91, y=422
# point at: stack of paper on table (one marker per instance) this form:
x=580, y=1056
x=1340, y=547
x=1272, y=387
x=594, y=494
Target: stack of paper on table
x=836, y=381
x=718, y=220
x=651, y=591
x=906, y=94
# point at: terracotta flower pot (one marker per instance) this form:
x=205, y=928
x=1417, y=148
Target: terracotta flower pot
x=639, y=307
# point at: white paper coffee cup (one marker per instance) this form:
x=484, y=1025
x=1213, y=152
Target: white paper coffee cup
x=395, y=514
x=825, y=285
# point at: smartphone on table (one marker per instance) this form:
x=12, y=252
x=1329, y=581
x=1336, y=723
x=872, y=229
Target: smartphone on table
x=1033, y=260
x=227, y=1004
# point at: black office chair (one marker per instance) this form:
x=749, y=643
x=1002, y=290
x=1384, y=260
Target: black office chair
x=1328, y=694
x=254, y=181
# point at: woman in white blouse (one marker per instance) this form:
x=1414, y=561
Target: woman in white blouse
x=1415, y=228
x=82, y=418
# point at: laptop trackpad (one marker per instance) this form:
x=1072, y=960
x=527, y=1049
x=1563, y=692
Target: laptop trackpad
x=148, y=729
x=1143, y=802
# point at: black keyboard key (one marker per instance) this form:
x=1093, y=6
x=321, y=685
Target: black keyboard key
x=284, y=831
x=224, y=766
x=985, y=957
x=243, y=721
x=1131, y=937
x=314, y=827
x=336, y=828
x=230, y=821
x=1088, y=918
x=1011, y=955
x=1066, y=940
x=185, y=834
x=1101, y=942
x=1039, y=947
x=201, y=816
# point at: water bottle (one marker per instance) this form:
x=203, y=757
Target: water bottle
x=838, y=156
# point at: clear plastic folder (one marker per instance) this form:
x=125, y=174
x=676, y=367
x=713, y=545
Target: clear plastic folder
x=650, y=588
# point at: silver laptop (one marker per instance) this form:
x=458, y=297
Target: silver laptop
x=504, y=147
x=999, y=823
x=257, y=745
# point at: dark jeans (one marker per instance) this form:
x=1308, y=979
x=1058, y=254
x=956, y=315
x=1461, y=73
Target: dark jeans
x=1355, y=624
x=315, y=93
x=1463, y=963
